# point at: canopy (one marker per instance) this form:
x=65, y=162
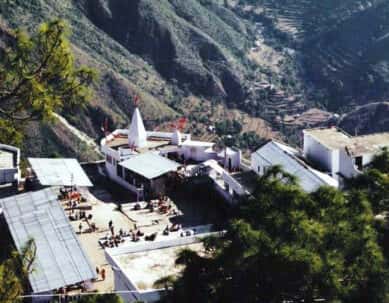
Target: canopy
x=59, y=172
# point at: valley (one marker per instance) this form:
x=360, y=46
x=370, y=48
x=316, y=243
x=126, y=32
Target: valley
x=274, y=66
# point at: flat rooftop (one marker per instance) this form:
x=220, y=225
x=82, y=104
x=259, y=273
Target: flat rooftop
x=330, y=137
x=367, y=144
x=355, y=146
x=122, y=142
x=147, y=267
x=6, y=159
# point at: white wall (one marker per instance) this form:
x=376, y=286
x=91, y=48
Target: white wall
x=320, y=154
x=112, y=174
x=367, y=158
x=123, y=283
x=234, y=186
x=11, y=174
x=258, y=164
x=236, y=158
x=197, y=153
x=347, y=168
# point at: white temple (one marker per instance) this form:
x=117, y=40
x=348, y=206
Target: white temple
x=137, y=136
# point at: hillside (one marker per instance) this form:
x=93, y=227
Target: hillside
x=367, y=119
x=271, y=61
x=163, y=51
x=342, y=45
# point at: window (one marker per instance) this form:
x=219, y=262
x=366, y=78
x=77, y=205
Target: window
x=119, y=171
x=259, y=169
x=359, y=162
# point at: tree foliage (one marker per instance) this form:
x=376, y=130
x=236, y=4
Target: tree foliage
x=38, y=76
x=14, y=272
x=289, y=246
x=374, y=182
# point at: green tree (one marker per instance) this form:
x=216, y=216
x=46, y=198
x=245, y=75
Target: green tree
x=38, y=76
x=374, y=182
x=381, y=161
x=14, y=273
x=288, y=245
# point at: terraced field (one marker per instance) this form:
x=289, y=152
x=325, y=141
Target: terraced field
x=342, y=46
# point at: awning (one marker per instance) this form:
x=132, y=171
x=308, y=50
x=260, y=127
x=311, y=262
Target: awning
x=59, y=172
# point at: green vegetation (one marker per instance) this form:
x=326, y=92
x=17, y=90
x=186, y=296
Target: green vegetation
x=288, y=245
x=14, y=283
x=228, y=127
x=374, y=183
x=247, y=141
x=38, y=78
x=13, y=273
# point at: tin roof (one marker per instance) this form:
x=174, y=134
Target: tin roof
x=59, y=172
x=150, y=165
x=60, y=259
x=275, y=153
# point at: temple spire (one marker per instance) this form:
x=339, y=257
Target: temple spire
x=137, y=136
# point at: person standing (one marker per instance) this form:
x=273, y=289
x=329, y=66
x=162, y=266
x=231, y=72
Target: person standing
x=80, y=227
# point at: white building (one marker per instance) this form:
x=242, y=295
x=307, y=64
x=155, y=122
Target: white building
x=137, y=266
x=197, y=150
x=231, y=158
x=274, y=153
x=122, y=145
x=339, y=153
x=9, y=164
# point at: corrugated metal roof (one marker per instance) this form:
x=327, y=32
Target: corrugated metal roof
x=60, y=260
x=150, y=165
x=276, y=153
x=59, y=172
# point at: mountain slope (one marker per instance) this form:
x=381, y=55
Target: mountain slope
x=272, y=59
x=342, y=45
x=163, y=51
x=367, y=119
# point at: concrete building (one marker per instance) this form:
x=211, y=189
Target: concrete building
x=274, y=153
x=138, y=266
x=342, y=155
x=231, y=186
x=231, y=158
x=9, y=164
x=122, y=149
x=197, y=151
x=146, y=174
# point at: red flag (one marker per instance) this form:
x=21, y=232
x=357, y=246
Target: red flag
x=136, y=100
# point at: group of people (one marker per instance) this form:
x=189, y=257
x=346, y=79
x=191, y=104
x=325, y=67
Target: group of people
x=113, y=240
x=175, y=227
x=163, y=205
